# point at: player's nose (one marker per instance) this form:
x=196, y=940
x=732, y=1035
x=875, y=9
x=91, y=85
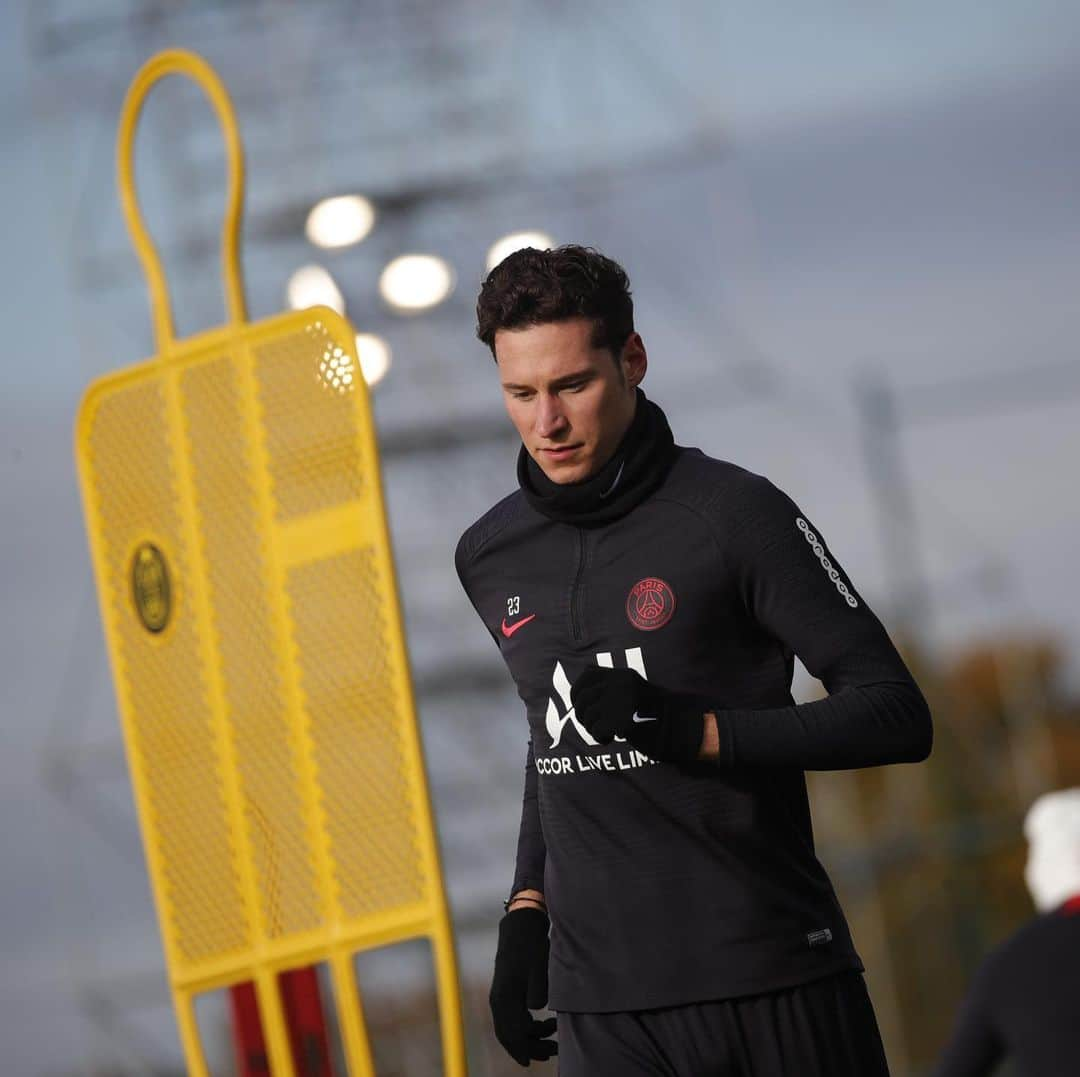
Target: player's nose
x=550, y=420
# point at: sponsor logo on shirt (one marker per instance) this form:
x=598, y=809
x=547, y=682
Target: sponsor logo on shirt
x=557, y=722
x=650, y=604
x=560, y=715
x=819, y=550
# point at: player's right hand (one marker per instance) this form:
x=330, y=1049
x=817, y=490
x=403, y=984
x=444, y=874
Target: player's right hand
x=520, y=984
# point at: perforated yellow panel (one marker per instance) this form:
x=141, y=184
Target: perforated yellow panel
x=164, y=678
x=234, y=509
x=356, y=721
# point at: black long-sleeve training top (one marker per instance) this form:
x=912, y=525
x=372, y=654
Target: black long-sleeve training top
x=668, y=884
x=1024, y=1004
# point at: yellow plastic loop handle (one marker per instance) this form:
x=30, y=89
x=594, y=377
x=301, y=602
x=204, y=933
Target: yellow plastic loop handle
x=181, y=62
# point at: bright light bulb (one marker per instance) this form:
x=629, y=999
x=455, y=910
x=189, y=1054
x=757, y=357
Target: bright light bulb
x=416, y=282
x=340, y=221
x=312, y=286
x=516, y=241
x=374, y=355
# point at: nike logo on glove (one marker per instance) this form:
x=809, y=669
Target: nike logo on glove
x=638, y=718
x=509, y=630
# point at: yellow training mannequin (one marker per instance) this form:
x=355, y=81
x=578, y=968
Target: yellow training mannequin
x=234, y=509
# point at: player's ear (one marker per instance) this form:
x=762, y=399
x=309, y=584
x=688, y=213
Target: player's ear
x=634, y=360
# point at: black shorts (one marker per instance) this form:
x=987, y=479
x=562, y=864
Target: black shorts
x=825, y=1028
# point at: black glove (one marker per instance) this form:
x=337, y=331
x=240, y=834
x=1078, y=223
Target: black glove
x=520, y=984
x=664, y=725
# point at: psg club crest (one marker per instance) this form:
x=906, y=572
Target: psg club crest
x=650, y=604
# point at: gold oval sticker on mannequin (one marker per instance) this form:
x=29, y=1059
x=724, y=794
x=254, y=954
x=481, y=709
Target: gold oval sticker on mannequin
x=150, y=587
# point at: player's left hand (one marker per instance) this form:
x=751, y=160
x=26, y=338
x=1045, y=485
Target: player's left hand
x=613, y=703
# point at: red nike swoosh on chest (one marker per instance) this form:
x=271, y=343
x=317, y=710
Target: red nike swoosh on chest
x=509, y=630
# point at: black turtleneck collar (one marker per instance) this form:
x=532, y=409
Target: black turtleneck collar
x=635, y=470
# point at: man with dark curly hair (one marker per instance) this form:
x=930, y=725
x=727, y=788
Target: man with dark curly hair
x=648, y=601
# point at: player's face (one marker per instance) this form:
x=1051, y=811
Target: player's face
x=570, y=401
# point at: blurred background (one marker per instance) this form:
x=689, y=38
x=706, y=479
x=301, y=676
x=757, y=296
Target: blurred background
x=853, y=235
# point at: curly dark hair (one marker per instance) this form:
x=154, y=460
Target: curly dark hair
x=531, y=287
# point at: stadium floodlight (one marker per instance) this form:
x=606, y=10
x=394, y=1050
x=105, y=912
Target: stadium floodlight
x=416, y=282
x=515, y=241
x=374, y=355
x=340, y=221
x=312, y=286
